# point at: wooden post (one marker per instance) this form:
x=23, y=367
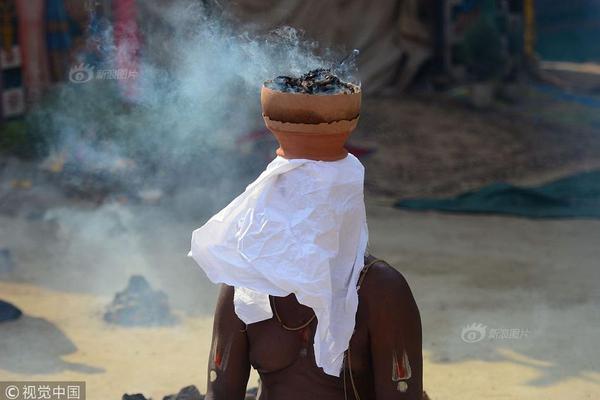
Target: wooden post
x=529, y=31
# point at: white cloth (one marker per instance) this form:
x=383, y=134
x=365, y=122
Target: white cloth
x=299, y=228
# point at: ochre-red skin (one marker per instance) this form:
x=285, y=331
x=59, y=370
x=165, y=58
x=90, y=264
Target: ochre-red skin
x=387, y=323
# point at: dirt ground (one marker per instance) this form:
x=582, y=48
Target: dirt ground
x=539, y=277
x=438, y=146
x=530, y=286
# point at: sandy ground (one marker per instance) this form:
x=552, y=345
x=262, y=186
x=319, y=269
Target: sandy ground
x=530, y=286
x=435, y=146
x=537, y=277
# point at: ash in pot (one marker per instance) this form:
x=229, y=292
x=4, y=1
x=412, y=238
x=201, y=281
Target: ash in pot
x=317, y=81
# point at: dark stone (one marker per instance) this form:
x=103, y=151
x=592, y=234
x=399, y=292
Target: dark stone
x=8, y=312
x=139, y=305
x=187, y=393
x=137, y=396
x=190, y=393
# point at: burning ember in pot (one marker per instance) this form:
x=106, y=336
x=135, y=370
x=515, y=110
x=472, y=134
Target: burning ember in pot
x=317, y=81
x=311, y=116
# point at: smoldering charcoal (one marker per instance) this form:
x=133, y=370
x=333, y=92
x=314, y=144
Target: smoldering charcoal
x=317, y=81
x=140, y=305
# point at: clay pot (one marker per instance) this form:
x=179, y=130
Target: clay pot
x=313, y=127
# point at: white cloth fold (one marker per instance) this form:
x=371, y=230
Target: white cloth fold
x=299, y=228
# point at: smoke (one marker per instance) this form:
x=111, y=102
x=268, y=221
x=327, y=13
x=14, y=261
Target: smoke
x=179, y=116
x=157, y=154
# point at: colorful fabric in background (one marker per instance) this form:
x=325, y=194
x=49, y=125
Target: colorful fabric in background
x=127, y=42
x=576, y=196
x=104, y=8
x=12, y=95
x=32, y=15
x=8, y=26
x=568, y=30
x=58, y=39
x=394, y=37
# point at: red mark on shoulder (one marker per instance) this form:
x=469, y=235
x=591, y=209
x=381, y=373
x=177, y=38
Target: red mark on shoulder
x=305, y=333
x=218, y=359
x=400, y=367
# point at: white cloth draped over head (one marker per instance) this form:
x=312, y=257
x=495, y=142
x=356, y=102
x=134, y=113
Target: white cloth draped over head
x=299, y=228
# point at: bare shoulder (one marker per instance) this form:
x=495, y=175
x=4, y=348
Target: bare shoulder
x=225, y=310
x=226, y=293
x=225, y=299
x=384, y=285
x=382, y=277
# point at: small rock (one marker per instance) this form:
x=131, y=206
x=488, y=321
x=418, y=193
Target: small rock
x=139, y=305
x=137, y=396
x=8, y=312
x=187, y=393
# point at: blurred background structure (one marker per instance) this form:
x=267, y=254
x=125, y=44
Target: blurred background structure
x=125, y=124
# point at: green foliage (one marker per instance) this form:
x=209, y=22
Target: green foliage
x=16, y=139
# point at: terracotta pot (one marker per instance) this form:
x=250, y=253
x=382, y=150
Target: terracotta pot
x=308, y=126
